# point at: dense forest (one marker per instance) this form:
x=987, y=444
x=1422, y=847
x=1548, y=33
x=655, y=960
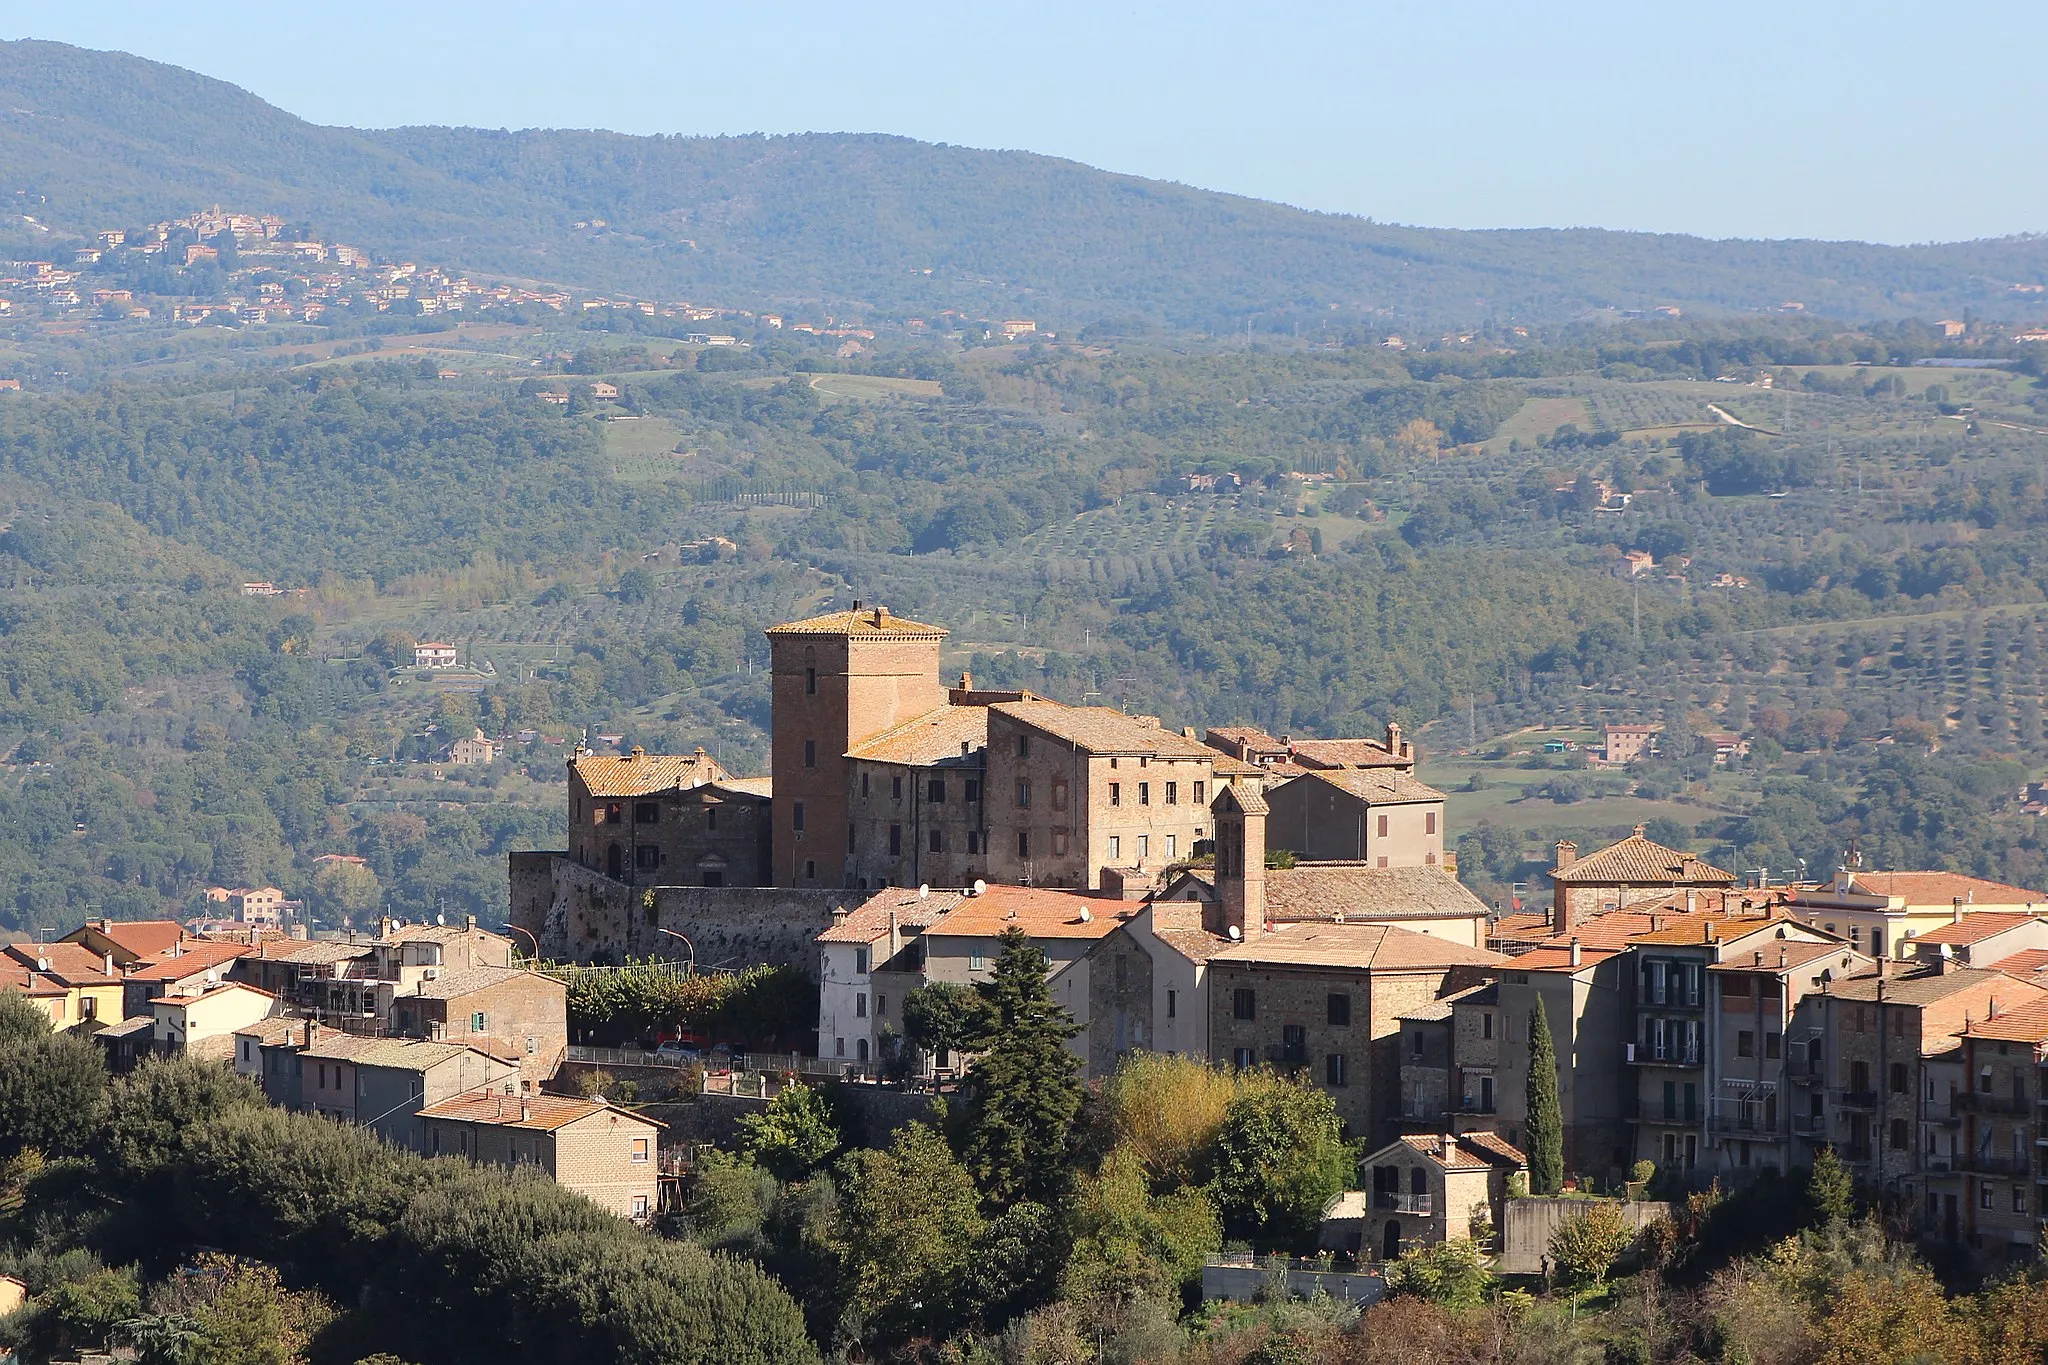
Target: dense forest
x=103, y=139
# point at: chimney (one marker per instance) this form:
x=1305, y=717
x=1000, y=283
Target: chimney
x=1689, y=867
x=107, y=963
x=1578, y=955
x=469, y=923
x=1560, y=894
x=1241, y=859
x=1394, y=738
x=1957, y=917
x=1692, y=900
x=1656, y=923
x=638, y=753
x=966, y=680
x=525, y=1110
x=384, y=927
x=1567, y=854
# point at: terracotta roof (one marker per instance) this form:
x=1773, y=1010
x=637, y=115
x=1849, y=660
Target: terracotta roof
x=309, y=952
x=435, y=933
x=1441, y=1008
x=17, y=977
x=946, y=734
x=1237, y=767
x=1178, y=924
x=2022, y=963
x=869, y=921
x=1247, y=798
x=746, y=786
x=211, y=991
x=1325, y=890
x=1376, y=786
x=2026, y=1022
x=1465, y=1152
x=1640, y=859
x=867, y=623
x=1791, y=956
x=1105, y=730
x=461, y=981
x=1976, y=927
x=1522, y=924
x=192, y=957
x=142, y=937
x=1362, y=947
x=1347, y=753
x=1931, y=985
x=71, y=963
x=1559, y=959
x=1697, y=928
x=411, y=1054
x=605, y=775
x=1039, y=912
x=1612, y=931
x=1942, y=888
x=276, y=1029
x=1495, y=1145
x=544, y=1113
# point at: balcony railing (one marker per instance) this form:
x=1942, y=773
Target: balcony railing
x=1471, y=1104
x=1403, y=1203
x=1642, y=1054
x=1859, y=1099
x=1990, y=1165
x=1938, y=1113
x=1809, y=1125
x=1979, y=1102
x=1853, y=1151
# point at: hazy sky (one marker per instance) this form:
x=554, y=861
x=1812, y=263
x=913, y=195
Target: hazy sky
x=1892, y=122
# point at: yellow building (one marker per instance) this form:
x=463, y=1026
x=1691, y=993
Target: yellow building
x=1881, y=913
x=76, y=985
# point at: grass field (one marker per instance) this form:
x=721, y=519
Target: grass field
x=868, y=388
x=643, y=449
x=1538, y=417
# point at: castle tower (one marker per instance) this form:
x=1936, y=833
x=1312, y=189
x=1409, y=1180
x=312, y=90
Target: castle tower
x=1240, y=817
x=838, y=680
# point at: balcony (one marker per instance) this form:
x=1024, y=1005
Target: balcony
x=1981, y=1164
x=1940, y=1115
x=1641, y=1054
x=1858, y=1099
x=1403, y=1203
x=1471, y=1104
x=1809, y=1125
x=1979, y=1102
x=1736, y=1125
x=1811, y=1075
x=1853, y=1151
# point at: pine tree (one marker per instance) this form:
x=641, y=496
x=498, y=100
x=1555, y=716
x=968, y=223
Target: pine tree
x=1024, y=1095
x=1546, y=1118
x=1828, y=1189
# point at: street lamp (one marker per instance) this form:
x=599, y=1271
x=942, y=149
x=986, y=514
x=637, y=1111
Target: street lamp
x=691, y=965
x=515, y=929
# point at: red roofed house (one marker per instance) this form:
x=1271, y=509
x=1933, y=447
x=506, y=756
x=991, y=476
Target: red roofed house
x=202, y=1022
x=127, y=941
x=607, y=1155
x=1985, y=938
x=1624, y=874
x=185, y=968
x=1424, y=1189
x=1881, y=912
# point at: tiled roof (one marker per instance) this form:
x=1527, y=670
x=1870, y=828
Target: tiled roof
x=1441, y=1008
x=143, y=937
x=71, y=963
x=1792, y=955
x=1702, y=928
x=436, y=933
x=542, y=1112
x=192, y=957
x=411, y=1054
x=867, y=623
x=1493, y=1144
x=1347, y=753
x=309, y=952
x=451, y=984
x=1105, y=730
x=1930, y=985
x=1465, y=1152
x=1178, y=924
x=1614, y=930
x=1362, y=947
x=1976, y=927
x=1640, y=859
x=14, y=976
x=1247, y=798
x=2023, y=963
x=1325, y=890
x=1942, y=888
x=869, y=921
x=2026, y=1022
x=276, y=1029
x=948, y=733
x=645, y=775
x=1039, y=912
x=1559, y=959
x=1376, y=786
x=211, y=991
x=746, y=786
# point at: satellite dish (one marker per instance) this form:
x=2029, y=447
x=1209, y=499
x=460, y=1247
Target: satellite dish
x=978, y=888
x=1086, y=915
x=440, y=919
x=924, y=890
x=1235, y=933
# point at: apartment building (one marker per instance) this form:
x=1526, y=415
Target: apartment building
x=1378, y=817
x=916, y=807
x=1633, y=872
x=1882, y=913
x=668, y=820
x=607, y=1155
x=1988, y=1187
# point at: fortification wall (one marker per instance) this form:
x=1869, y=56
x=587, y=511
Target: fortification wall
x=591, y=918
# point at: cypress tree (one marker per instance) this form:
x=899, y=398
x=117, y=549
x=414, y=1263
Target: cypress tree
x=1024, y=1095
x=1545, y=1140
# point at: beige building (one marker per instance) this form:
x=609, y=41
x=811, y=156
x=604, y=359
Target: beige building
x=1380, y=817
x=1427, y=1188
x=962, y=945
x=916, y=807
x=1627, y=743
x=1635, y=871
x=203, y=1023
x=70, y=981
x=1881, y=913
x=607, y=1155
x=517, y=1015
x=868, y=961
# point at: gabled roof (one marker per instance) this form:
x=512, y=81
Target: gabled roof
x=1105, y=730
x=869, y=921
x=944, y=734
x=1944, y=888
x=543, y=1113
x=1038, y=911
x=1793, y=955
x=73, y=964
x=2026, y=1022
x=142, y=937
x=866, y=623
x=2023, y=963
x=1347, y=753
x=1358, y=947
x=1464, y=1152
x=644, y=774
x=224, y=988
x=1560, y=959
x=1376, y=786
x=190, y=958
x=1931, y=985
x=1638, y=859
x=1974, y=928
x=1354, y=890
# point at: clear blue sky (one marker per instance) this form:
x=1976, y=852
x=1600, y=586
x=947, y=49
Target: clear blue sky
x=1885, y=121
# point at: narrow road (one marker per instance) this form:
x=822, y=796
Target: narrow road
x=1732, y=420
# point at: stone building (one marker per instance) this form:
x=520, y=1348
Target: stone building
x=916, y=808
x=1581, y=990
x=518, y=1015
x=1379, y=817
x=1324, y=1001
x=1286, y=756
x=1988, y=1187
x=668, y=820
x=607, y=1155
x=1427, y=1188
x=1635, y=871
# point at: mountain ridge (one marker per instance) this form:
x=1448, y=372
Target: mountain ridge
x=887, y=222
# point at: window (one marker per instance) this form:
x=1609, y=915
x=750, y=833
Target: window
x=970, y=789
x=860, y=1005
x=1172, y=846
x=838, y=1047
x=1773, y=1046
x=1898, y=1078
x=1333, y=1071
x=1023, y=746
x=1415, y=1045
x=1745, y=1044
x=711, y=817
x=1984, y=1197
x=810, y=682
x=1116, y=793
x=1429, y=822
x=810, y=753
x=1243, y=1003
x=1671, y=1101
x=976, y=961
x=1338, y=1009
x=640, y=1152
x=1293, y=1044
x=1241, y=1058
x=1116, y=847
x=614, y=814
x=810, y=869
x=2019, y=1199
x=863, y=786
x=1059, y=843
x=895, y=840
x=1023, y=795
x=881, y=1006
x=639, y=1206
x=1898, y=1023
x=1383, y=825
x=1144, y=793
x=647, y=857
x=477, y=1022
x=974, y=841
x=1200, y=787
x=1144, y=846
x=852, y=840
x=1173, y=793
x=1900, y=1142
x=896, y=788
x=1173, y=1004
x=1486, y=1024
x=860, y=961
x=935, y=791
x=1023, y=843
x=646, y=812
x=938, y=842
x=796, y=816
x=1059, y=793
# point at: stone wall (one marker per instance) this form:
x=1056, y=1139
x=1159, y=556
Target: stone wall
x=591, y=918
x=1527, y=1228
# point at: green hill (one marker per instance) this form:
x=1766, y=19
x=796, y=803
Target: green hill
x=97, y=139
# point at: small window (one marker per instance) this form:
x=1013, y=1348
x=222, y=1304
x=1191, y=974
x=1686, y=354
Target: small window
x=1339, y=1009
x=810, y=753
x=1486, y=1024
x=1144, y=846
x=1059, y=793
x=1774, y=1046
x=1023, y=795
x=895, y=840
x=1243, y=1003
x=1383, y=825
x=974, y=841
x=896, y=788
x=477, y=1022
x=1745, y=1044
x=1116, y=847
x=810, y=682
x=863, y=786
x=970, y=789
x=614, y=814
x=1415, y=1045
x=1429, y=822
x=647, y=857
x=796, y=816
x=938, y=842
x=1116, y=793
x=860, y=961
x=935, y=791
x=1898, y=1078
x=1023, y=843
x=1144, y=793
x=646, y=812
x=1984, y=1196
x=639, y=1206
x=860, y=1005
x=976, y=962
x=1023, y=746
x=1241, y=1058
x=1201, y=792
x=1059, y=843
x=1172, y=846
x=1172, y=1004
x=1334, y=1072
x=1173, y=793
